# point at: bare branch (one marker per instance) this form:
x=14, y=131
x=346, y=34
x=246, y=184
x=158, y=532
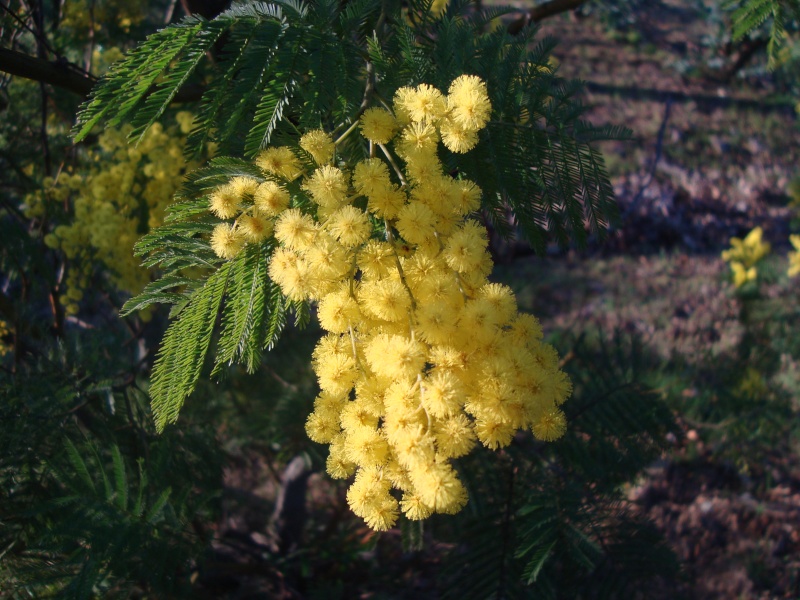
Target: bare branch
x=67, y=76
x=543, y=11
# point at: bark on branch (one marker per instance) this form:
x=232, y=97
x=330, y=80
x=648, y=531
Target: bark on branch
x=543, y=11
x=58, y=73
x=67, y=76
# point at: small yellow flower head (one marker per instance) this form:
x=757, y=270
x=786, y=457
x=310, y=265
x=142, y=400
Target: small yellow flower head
x=336, y=373
x=225, y=202
x=244, y=186
x=371, y=176
x=465, y=249
x=337, y=465
x=794, y=257
x=439, y=488
x=414, y=508
x=395, y=356
x=292, y=274
x=441, y=395
x=458, y=138
x=455, y=436
x=319, y=145
x=323, y=426
x=468, y=197
x=378, y=125
x=424, y=104
x=468, y=101
x=416, y=222
x=349, y=225
x=271, y=199
x=327, y=258
x=338, y=311
x=376, y=259
x=295, y=230
x=525, y=329
x=226, y=241
x=502, y=300
x=550, y=426
x=386, y=202
x=327, y=186
x=280, y=161
x=494, y=433
x=385, y=299
x=255, y=228
x=366, y=447
x=418, y=142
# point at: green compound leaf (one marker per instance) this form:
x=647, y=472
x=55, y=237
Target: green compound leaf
x=184, y=348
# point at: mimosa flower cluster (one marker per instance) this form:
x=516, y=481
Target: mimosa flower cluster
x=423, y=356
x=126, y=191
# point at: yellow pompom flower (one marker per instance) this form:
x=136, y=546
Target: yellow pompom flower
x=349, y=225
x=501, y=298
x=424, y=104
x=438, y=486
x=441, y=394
x=416, y=222
x=493, y=433
x=271, y=199
x=370, y=176
x=385, y=299
x=338, y=311
x=226, y=241
x=255, y=228
x=225, y=202
x=328, y=259
x=550, y=426
x=319, y=145
x=378, y=125
x=465, y=249
x=337, y=464
x=322, y=426
x=243, y=186
x=386, y=202
x=454, y=436
x=468, y=197
x=327, y=186
x=280, y=161
x=366, y=447
x=418, y=142
x=295, y=230
x=458, y=138
x=414, y=508
x=375, y=259
x=336, y=373
x=468, y=102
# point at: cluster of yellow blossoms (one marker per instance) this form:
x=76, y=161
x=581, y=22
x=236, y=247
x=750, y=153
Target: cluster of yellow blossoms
x=124, y=194
x=745, y=254
x=423, y=356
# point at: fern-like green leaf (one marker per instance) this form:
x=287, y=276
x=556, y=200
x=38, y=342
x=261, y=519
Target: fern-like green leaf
x=184, y=347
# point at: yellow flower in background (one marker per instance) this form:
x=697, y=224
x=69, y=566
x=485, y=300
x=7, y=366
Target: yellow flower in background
x=745, y=254
x=794, y=257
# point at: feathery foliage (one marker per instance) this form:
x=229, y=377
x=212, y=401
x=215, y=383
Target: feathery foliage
x=750, y=15
x=94, y=503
